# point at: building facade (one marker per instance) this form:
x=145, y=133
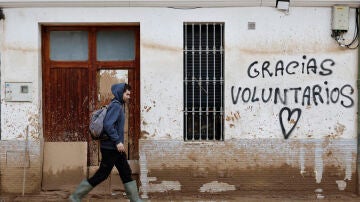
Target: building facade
x=226, y=96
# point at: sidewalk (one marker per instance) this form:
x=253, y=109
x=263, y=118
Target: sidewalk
x=61, y=196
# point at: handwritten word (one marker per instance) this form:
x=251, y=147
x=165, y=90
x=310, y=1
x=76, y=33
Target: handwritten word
x=310, y=66
x=310, y=94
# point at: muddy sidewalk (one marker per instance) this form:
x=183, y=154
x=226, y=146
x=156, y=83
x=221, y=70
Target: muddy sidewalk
x=61, y=196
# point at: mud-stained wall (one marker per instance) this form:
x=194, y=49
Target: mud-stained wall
x=21, y=156
x=20, y=166
x=290, y=93
x=64, y=164
x=290, y=96
x=247, y=164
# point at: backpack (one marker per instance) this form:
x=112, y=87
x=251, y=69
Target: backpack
x=97, y=123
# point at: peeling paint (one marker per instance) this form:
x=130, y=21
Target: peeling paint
x=348, y=163
x=143, y=175
x=35, y=126
x=216, y=186
x=318, y=163
x=341, y=184
x=233, y=116
x=165, y=186
x=302, y=160
x=17, y=119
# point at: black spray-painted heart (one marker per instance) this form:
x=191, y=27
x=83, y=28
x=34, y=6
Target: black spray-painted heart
x=289, y=115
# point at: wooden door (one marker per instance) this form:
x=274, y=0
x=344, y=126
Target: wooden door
x=72, y=59
x=65, y=94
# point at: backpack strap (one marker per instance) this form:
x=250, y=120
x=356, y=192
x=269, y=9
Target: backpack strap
x=115, y=100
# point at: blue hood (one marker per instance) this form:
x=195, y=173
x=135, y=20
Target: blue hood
x=117, y=90
x=114, y=120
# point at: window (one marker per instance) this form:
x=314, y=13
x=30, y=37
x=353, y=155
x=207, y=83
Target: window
x=69, y=45
x=203, y=81
x=115, y=45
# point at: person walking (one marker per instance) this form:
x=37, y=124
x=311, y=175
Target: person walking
x=112, y=149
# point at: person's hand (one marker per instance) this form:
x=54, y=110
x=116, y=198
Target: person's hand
x=120, y=147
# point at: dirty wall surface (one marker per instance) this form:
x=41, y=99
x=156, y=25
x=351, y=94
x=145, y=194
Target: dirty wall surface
x=290, y=97
x=290, y=110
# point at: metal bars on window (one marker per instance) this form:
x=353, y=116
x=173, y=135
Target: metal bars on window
x=203, y=81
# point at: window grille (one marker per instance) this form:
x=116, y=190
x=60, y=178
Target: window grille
x=203, y=81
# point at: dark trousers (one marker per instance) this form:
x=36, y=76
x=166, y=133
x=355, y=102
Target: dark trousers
x=109, y=158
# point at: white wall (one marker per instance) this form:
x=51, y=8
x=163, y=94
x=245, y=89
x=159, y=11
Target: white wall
x=304, y=31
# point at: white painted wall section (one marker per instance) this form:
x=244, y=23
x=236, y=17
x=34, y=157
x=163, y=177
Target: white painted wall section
x=320, y=73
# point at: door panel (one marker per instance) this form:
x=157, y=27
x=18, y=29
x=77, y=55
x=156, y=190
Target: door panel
x=67, y=105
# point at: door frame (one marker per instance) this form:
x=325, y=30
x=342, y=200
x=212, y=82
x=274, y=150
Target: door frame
x=94, y=67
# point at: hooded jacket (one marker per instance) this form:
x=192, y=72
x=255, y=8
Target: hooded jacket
x=115, y=119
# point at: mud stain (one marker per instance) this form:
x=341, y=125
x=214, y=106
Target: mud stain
x=144, y=134
x=62, y=180
x=160, y=47
x=277, y=48
x=254, y=178
x=18, y=48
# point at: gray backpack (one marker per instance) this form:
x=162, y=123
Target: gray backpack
x=97, y=123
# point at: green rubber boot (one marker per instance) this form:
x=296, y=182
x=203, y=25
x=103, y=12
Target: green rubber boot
x=132, y=191
x=83, y=189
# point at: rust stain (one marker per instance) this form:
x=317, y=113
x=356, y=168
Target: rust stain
x=232, y=125
x=292, y=121
x=160, y=47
